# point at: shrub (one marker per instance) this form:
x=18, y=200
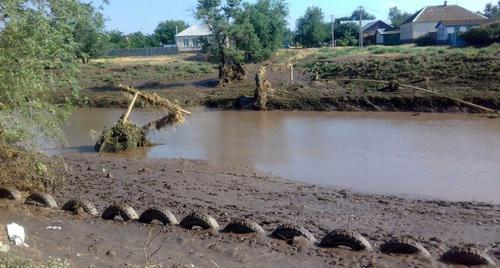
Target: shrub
x=426, y=40
x=482, y=36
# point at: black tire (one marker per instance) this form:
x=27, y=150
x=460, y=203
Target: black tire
x=467, y=256
x=244, y=227
x=289, y=231
x=404, y=245
x=202, y=220
x=41, y=199
x=127, y=213
x=73, y=205
x=346, y=238
x=10, y=193
x=165, y=216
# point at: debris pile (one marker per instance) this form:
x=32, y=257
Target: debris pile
x=263, y=89
x=127, y=136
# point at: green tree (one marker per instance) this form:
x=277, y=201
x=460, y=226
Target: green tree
x=166, y=30
x=311, y=29
x=89, y=33
x=346, y=33
x=492, y=11
x=397, y=16
x=260, y=28
x=364, y=13
x=140, y=40
x=117, y=39
x=37, y=61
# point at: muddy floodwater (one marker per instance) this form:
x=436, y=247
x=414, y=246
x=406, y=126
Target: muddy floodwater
x=444, y=156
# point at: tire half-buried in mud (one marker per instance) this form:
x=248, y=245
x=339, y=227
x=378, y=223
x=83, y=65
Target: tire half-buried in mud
x=289, y=231
x=202, y=220
x=244, y=226
x=41, y=199
x=467, y=255
x=346, y=238
x=127, y=213
x=10, y=193
x=404, y=245
x=74, y=204
x=165, y=216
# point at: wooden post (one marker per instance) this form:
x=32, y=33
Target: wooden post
x=130, y=106
x=291, y=72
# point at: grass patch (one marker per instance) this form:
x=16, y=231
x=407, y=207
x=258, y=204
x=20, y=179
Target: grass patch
x=111, y=72
x=10, y=260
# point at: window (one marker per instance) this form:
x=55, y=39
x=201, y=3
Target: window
x=442, y=33
x=186, y=42
x=196, y=43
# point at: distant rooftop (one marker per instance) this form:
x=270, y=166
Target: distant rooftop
x=364, y=23
x=195, y=30
x=444, y=13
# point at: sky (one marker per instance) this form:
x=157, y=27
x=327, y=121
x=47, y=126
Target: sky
x=132, y=15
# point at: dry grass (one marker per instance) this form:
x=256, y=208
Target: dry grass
x=29, y=170
x=152, y=60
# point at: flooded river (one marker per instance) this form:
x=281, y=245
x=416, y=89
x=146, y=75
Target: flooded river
x=446, y=156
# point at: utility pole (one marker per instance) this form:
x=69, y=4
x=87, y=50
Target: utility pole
x=333, y=31
x=360, y=26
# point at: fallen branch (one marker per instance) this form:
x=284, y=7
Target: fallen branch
x=424, y=90
x=153, y=99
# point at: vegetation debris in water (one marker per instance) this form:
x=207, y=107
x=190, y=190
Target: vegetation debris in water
x=121, y=137
x=126, y=135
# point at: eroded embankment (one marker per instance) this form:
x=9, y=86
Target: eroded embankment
x=229, y=192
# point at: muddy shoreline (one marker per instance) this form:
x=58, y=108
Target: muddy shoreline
x=229, y=192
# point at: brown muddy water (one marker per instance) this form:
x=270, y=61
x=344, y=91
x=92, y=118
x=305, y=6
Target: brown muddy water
x=443, y=156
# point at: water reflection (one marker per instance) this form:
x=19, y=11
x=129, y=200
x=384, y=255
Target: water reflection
x=434, y=155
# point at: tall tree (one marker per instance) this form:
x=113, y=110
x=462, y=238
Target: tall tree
x=166, y=30
x=218, y=18
x=89, y=33
x=492, y=11
x=346, y=33
x=37, y=61
x=311, y=29
x=397, y=16
x=264, y=24
x=242, y=31
x=117, y=39
x=140, y=40
x=364, y=13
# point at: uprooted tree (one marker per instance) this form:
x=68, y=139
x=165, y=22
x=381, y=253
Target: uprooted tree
x=242, y=31
x=263, y=89
x=125, y=135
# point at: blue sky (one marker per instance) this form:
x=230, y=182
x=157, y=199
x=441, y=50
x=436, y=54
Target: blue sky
x=133, y=15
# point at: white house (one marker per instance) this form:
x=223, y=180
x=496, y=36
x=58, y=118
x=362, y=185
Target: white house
x=448, y=32
x=425, y=20
x=189, y=40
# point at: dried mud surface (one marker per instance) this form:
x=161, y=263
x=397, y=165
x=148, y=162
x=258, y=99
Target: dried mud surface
x=229, y=192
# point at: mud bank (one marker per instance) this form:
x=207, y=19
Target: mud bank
x=229, y=192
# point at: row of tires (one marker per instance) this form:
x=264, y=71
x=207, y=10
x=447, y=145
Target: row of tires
x=466, y=255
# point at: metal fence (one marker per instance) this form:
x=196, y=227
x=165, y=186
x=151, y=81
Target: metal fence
x=142, y=52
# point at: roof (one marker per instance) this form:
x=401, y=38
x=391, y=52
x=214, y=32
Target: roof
x=444, y=13
x=384, y=31
x=461, y=23
x=364, y=23
x=368, y=25
x=195, y=30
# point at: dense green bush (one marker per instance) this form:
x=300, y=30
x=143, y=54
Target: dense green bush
x=426, y=40
x=483, y=36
